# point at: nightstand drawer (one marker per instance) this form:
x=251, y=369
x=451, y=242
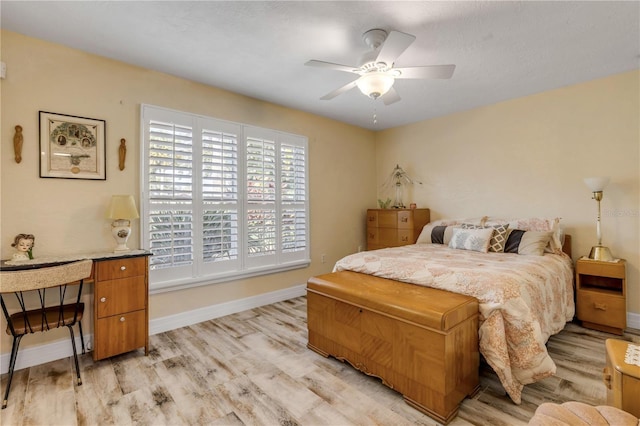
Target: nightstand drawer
x=121, y=268
x=600, y=308
x=120, y=296
x=602, y=269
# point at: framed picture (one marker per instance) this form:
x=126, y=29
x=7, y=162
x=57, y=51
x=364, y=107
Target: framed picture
x=72, y=147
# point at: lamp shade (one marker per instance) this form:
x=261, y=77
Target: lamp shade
x=596, y=184
x=375, y=84
x=122, y=207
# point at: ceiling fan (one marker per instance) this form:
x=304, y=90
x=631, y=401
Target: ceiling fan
x=376, y=70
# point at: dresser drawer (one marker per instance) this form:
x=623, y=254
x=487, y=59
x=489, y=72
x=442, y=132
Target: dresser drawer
x=126, y=332
x=598, y=307
x=120, y=268
x=120, y=296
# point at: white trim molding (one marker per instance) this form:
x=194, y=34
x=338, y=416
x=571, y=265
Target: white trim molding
x=59, y=349
x=62, y=349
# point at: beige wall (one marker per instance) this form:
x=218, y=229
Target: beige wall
x=524, y=157
x=67, y=216
x=528, y=157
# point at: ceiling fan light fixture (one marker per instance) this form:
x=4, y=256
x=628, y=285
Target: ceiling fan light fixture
x=375, y=84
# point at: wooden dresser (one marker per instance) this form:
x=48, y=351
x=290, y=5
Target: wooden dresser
x=121, y=314
x=394, y=227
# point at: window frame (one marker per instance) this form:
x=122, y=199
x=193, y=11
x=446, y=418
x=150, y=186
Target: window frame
x=200, y=271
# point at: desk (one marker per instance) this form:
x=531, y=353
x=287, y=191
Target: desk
x=120, y=297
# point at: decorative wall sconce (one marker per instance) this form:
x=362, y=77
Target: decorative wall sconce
x=122, y=153
x=17, y=144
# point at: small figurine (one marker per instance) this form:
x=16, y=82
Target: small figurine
x=17, y=143
x=122, y=153
x=24, y=245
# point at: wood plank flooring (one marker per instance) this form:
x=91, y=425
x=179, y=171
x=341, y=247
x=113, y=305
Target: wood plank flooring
x=253, y=368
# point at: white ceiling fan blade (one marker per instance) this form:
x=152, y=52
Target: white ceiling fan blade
x=393, y=46
x=336, y=92
x=430, y=71
x=330, y=65
x=390, y=97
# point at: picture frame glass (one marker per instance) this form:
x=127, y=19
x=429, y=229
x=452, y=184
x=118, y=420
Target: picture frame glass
x=72, y=147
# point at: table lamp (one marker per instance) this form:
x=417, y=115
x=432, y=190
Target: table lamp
x=597, y=185
x=122, y=209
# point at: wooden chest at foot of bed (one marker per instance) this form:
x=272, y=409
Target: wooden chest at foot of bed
x=420, y=341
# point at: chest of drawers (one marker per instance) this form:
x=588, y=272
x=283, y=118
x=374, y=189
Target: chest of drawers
x=121, y=315
x=394, y=227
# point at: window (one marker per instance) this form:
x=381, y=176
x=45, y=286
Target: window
x=220, y=200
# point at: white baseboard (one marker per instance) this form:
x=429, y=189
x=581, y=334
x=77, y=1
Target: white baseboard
x=207, y=313
x=62, y=348
x=633, y=320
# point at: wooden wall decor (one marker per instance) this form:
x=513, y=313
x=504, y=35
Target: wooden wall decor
x=17, y=143
x=122, y=153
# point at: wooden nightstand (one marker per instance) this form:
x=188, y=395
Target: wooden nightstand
x=394, y=227
x=602, y=295
x=621, y=379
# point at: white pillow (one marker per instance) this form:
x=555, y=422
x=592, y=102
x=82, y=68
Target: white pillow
x=471, y=239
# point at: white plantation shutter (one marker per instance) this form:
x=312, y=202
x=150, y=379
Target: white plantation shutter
x=220, y=197
x=221, y=200
x=261, y=165
x=170, y=193
x=293, y=178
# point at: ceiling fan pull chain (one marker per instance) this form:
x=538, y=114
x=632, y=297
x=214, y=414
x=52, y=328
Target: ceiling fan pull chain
x=375, y=117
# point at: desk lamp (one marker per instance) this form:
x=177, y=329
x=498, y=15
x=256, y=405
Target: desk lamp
x=597, y=185
x=122, y=209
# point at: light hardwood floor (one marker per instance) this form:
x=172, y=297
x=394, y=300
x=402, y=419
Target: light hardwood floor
x=253, y=368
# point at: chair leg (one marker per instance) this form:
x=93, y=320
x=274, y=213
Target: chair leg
x=12, y=364
x=81, y=336
x=75, y=354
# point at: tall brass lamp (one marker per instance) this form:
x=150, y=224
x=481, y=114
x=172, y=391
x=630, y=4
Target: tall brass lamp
x=597, y=185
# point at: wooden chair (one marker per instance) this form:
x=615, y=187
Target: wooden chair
x=51, y=311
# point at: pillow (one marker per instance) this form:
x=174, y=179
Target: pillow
x=425, y=235
x=471, y=239
x=527, y=242
x=439, y=234
x=536, y=224
x=498, y=239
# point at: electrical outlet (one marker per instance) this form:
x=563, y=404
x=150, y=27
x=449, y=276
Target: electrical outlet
x=359, y=249
x=3, y=70
x=323, y=259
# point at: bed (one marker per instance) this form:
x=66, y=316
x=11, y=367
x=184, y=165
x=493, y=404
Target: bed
x=525, y=293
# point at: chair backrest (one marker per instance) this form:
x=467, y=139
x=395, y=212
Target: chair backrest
x=33, y=279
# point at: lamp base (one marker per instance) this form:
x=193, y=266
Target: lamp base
x=600, y=253
x=121, y=229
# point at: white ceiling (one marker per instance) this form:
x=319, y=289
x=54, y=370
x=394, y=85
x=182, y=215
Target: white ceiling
x=502, y=50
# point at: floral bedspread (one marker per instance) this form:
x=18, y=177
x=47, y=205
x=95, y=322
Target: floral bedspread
x=523, y=299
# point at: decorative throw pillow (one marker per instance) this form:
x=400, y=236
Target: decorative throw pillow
x=471, y=239
x=498, y=239
x=527, y=242
x=439, y=234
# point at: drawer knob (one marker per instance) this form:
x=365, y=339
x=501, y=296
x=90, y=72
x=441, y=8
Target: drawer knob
x=103, y=299
x=123, y=268
x=121, y=319
x=405, y=238
x=600, y=306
